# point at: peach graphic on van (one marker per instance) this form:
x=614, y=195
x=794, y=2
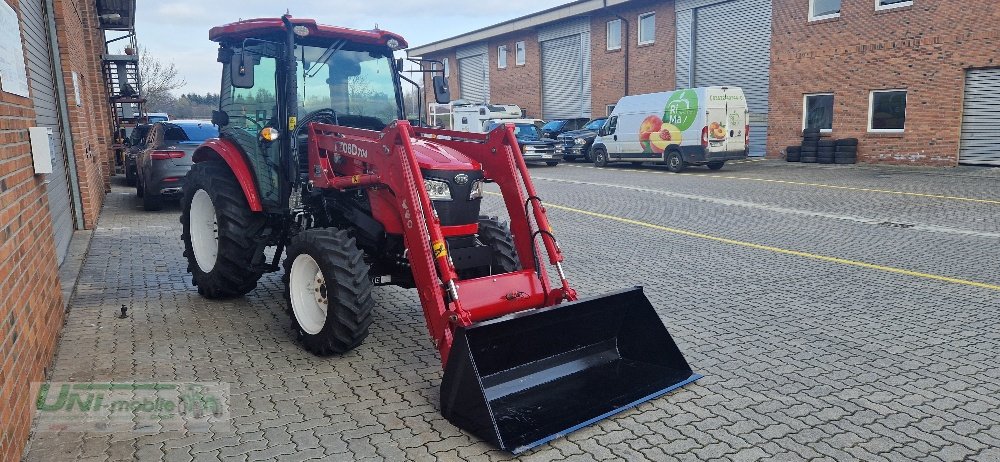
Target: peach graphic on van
x=651, y=124
x=668, y=134
x=716, y=131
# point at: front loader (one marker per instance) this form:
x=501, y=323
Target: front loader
x=316, y=160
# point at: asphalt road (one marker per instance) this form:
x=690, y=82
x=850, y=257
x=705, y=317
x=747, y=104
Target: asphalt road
x=838, y=313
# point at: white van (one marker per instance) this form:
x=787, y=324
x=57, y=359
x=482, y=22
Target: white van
x=697, y=126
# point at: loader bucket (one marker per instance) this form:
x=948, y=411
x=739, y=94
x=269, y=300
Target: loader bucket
x=522, y=380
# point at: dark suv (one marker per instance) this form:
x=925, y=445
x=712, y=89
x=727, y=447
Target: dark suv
x=134, y=144
x=533, y=146
x=576, y=144
x=554, y=128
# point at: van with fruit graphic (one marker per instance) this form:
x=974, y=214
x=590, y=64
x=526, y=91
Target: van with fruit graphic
x=696, y=126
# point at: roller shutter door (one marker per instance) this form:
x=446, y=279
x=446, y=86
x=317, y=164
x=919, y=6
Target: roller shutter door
x=737, y=56
x=472, y=79
x=41, y=77
x=562, y=78
x=981, y=118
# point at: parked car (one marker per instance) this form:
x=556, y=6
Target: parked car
x=162, y=165
x=697, y=126
x=576, y=144
x=135, y=143
x=153, y=117
x=553, y=128
x=534, y=148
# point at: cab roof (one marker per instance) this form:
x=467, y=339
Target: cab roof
x=267, y=26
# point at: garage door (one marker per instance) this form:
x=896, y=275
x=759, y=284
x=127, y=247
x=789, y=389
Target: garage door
x=980, y=118
x=566, y=70
x=736, y=56
x=43, y=93
x=472, y=79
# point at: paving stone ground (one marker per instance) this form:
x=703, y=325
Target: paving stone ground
x=804, y=358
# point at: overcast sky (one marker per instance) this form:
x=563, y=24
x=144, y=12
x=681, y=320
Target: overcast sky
x=177, y=30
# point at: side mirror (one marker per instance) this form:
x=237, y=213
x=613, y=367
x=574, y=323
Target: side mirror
x=442, y=94
x=241, y=70
x=602, y=131
x=220, y=118
x=399, y=64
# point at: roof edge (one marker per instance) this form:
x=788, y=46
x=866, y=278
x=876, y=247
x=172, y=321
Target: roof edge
x=553, y=14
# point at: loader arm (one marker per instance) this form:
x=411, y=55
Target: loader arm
x=348, y=158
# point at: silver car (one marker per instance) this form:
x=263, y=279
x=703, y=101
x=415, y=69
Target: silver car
x=162, y=165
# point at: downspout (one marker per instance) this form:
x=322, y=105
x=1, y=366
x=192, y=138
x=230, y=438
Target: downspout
x=68, y=146
x=627, y=27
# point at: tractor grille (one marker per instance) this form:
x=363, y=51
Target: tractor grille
x=459, y=210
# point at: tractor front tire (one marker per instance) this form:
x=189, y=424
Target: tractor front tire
x=219, y=232
x=328, y=290
x=496, y=236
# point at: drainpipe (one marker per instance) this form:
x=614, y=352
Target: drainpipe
x=74, y=179
x=626, y=27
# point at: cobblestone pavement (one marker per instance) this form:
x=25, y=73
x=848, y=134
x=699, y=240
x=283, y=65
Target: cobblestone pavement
x=808, y=353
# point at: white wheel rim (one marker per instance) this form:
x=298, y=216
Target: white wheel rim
x=204, y=231
x=308, y=293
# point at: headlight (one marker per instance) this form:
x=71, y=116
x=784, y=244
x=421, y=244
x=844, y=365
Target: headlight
x=437, y=190
x=581, y=141
x=477, y=190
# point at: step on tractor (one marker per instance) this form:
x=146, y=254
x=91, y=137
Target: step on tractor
x=316, y=160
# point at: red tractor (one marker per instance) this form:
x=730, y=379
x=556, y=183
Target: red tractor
x=315, y=158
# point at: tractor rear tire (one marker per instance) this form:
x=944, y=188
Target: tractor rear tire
x=497, y=237
x=219, y=232
x=328, y=290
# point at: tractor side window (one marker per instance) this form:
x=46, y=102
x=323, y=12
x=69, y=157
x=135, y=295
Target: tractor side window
x=252, y=109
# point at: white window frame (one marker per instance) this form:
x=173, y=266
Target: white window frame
x=638, y=26
x=805, y=110
x=813, y=17
x=871, y=111
x=879, y=6
x=447, y=69
x=520, y=59
x=610, y=108
x=502, y=57
x=608, y=35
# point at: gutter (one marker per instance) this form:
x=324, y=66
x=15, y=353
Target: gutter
x=68, y=146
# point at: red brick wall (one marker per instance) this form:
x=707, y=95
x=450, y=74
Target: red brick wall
x=81, y=46
x=925, y=48
x=517, y=84
x=651, y=66
x=31, y=312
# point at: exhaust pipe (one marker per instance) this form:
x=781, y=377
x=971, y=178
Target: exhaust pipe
x=531, y=377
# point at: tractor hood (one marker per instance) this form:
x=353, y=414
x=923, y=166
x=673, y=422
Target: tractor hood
x=433, y=156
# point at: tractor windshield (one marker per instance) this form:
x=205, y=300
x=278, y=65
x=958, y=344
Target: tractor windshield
x=359, y=86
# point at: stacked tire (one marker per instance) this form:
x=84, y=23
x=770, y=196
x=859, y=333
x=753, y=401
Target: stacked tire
x=825, y=151
x=793, y=154
x=810, y=145
x=846, y=151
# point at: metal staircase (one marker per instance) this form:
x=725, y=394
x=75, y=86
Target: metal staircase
x=121, y=73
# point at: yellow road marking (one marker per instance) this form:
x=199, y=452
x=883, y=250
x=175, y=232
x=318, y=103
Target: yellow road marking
x=815, y=185
x=768, y=248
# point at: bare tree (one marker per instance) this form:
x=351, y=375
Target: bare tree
x=158, y=80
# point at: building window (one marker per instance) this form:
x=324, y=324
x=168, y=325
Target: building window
x=823, y=9
x=447, y=71
x=615, y=34
x=890, y=4
x=887, y=111
x=647, y=28
x=817, y=112
x=502, y=57
x=611, y=108
x=519, y=53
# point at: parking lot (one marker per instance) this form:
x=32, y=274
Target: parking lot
x=837, y=312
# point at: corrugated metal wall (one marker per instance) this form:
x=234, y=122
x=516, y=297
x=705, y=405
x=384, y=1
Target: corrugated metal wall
x=716, y=50
x=566, y=72
x=473, y=73
x=43, y=93
x=981, y=118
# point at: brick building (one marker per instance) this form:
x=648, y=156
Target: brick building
x=52, y=79
x=912, y=80
x=915, y=80
x=578, y=59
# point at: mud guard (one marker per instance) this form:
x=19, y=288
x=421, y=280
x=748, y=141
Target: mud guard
x=231, y=154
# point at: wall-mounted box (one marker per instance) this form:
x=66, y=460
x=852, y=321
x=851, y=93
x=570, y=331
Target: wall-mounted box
x=41, y=148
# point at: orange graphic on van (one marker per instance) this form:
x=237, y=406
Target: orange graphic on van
x=716, y=131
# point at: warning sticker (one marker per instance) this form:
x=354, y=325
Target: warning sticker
x=291, y=122
x=439, y=249
x=356, y=179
